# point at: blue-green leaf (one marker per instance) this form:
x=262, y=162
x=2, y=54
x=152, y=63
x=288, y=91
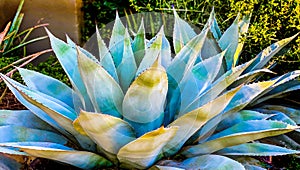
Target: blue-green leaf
x=256, y=149
x=206, y=162
x=191, y=122
x=147, y=149
x=127, y=67
x=106, y=59
x=217, y=87
x=116, y=43
x=80, y=159
x=143, y=105
x=180, y=66
x=213, y=25
x=289, y=111
x=108, y=132
x=229, y=41
x=264, y=56
x=47, y=85
x=238, y=134
x=139, y=44
x=199, y=79
x=240, y=116
x=104, y=91
x=23, y=118
x=182, y=33
x=67, y=57
x=12, y=133
x=152, y=53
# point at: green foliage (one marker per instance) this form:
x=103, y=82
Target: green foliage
x=271, y=21
x=137, y=107
x=13, y=44
x=99, y=13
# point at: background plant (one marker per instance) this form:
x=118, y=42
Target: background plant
x=271, y=21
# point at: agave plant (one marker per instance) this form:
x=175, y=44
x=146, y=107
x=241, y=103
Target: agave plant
x=138, y=107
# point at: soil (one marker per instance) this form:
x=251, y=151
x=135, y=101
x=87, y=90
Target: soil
x=9, y=102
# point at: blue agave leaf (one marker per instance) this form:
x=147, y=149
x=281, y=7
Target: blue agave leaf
x=182, y=33
x=277, y=115
x=213, y=25
x=257, y=149
x=143, y=105
x=49, y=110
x=181, y=65
x=229, y=41
x=191, y=122
x=67, y=57
x=47, y=85
x=159, y=167
x=108, y=132
x=243, y=29
x=199, y=79
x=290, y=112
x=143, y=152
x=106, y=59
x=250, y=76
x=116, y=43
x=240, y=116
x=217, y=87
x=250, y=126
x=106, y=99
x=12, y=133
x=11, y=151
x=34, y=109
x=139, y=44
x=283, y=84
x=153, y=52
x=127, y=67
x=7, y=163
x=264, y=56
x=165, y=54
x=23, y=118
x=238, y=134
x=41, y=99
x=206, y=162
x=74, y=46
x=57, y=152
x=253, y=167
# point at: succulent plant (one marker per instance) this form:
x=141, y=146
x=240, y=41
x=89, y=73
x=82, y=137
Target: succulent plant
x=139, y=107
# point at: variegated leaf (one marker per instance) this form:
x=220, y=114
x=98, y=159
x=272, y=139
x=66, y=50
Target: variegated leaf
x=116, y=43
x=23, y=118
x=143, y=105
x=11, y=133
x=108, y=132
x=264, y=56
x=182, y=33
x=229, y=41
x=257, y=149
x=48, y=86
x=147, y=149
x=53, y=151
x=207, y=162
x=104, y=91
x=238, y=134
x=127, y=67
x=67, y=57
x=191, y=122
x=106, y=59
x=139, y=44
